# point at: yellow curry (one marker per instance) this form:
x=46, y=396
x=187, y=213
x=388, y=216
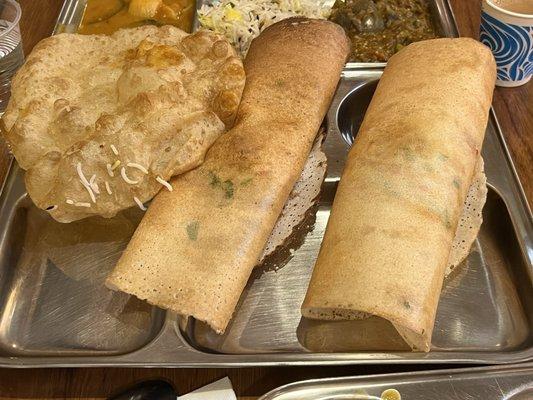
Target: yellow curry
x=107, y=16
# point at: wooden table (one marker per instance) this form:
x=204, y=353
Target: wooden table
x=514, y=108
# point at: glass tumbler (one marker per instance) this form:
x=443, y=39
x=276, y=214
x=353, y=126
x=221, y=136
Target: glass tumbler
x=11, y=53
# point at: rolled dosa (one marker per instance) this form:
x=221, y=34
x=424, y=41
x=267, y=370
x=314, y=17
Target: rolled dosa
x=401, y=193
x=197, y=245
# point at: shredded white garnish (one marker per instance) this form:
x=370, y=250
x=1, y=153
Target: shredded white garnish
x=70, y=201
x=108, y=188
x=81, y=204
x=81, y=175
x=126, y=178
x=85, y=182
x=115, y=165
x=139, y=203
x=138, y=166
x=91, y=194
x=164, y=183
x=243, y=20
x=114, y=149
x=94, y=185
x=109, y=170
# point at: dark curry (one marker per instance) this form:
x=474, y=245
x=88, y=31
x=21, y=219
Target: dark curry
x=107, y=16
x=380, y=28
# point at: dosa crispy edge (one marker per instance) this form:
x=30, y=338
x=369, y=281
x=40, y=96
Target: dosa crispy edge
x=196, y=246
x=403, y=188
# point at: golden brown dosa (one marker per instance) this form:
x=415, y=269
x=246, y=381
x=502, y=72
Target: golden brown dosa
x=403, y=187
x=196, y=246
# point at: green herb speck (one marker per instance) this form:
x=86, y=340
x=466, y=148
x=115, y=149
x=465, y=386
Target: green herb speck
x=215, y=180
x=407, y=153
x=407, y=305
x=192, y=230
x=227, y=186
x=443, y=157
x=246, y=182
x=447, y=220
x=457, y=183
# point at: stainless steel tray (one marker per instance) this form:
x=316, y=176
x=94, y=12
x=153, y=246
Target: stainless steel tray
x=54, y=310
x=486, y=383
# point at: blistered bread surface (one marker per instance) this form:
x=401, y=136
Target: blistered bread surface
x=128, y=111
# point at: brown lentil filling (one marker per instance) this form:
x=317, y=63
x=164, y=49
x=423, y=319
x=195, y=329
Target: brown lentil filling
x=380, y=28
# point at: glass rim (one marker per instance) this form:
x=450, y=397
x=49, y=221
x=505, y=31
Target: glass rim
x=512, y=13
x=15, y=21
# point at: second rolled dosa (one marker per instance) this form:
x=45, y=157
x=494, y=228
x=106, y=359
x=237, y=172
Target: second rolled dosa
x=402, y=191
x=197, y=245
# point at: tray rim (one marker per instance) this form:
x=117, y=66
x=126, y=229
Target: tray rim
x=449, y=373
x=184, y=355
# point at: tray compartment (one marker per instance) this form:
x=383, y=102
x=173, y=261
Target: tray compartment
x=441, y=17
x=52, y=297
x=480, y=308
x=72, y=14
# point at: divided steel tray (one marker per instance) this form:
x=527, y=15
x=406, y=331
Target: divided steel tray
x=55, y=311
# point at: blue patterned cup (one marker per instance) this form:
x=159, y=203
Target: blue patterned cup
x=509, y=34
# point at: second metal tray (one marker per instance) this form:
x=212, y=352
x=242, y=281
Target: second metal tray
x=486, y=383
x=55, y=311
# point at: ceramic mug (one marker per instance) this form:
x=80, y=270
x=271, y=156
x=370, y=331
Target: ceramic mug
x=509, y=34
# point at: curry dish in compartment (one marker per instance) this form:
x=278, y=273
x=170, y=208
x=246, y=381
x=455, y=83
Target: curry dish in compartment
x=107, y=16
x=380, y=28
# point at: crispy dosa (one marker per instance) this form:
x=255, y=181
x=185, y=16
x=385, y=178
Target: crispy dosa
x=470, y=220
x=101, y=123
x=196, y=246
x=302, y=198
x=402, y=191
